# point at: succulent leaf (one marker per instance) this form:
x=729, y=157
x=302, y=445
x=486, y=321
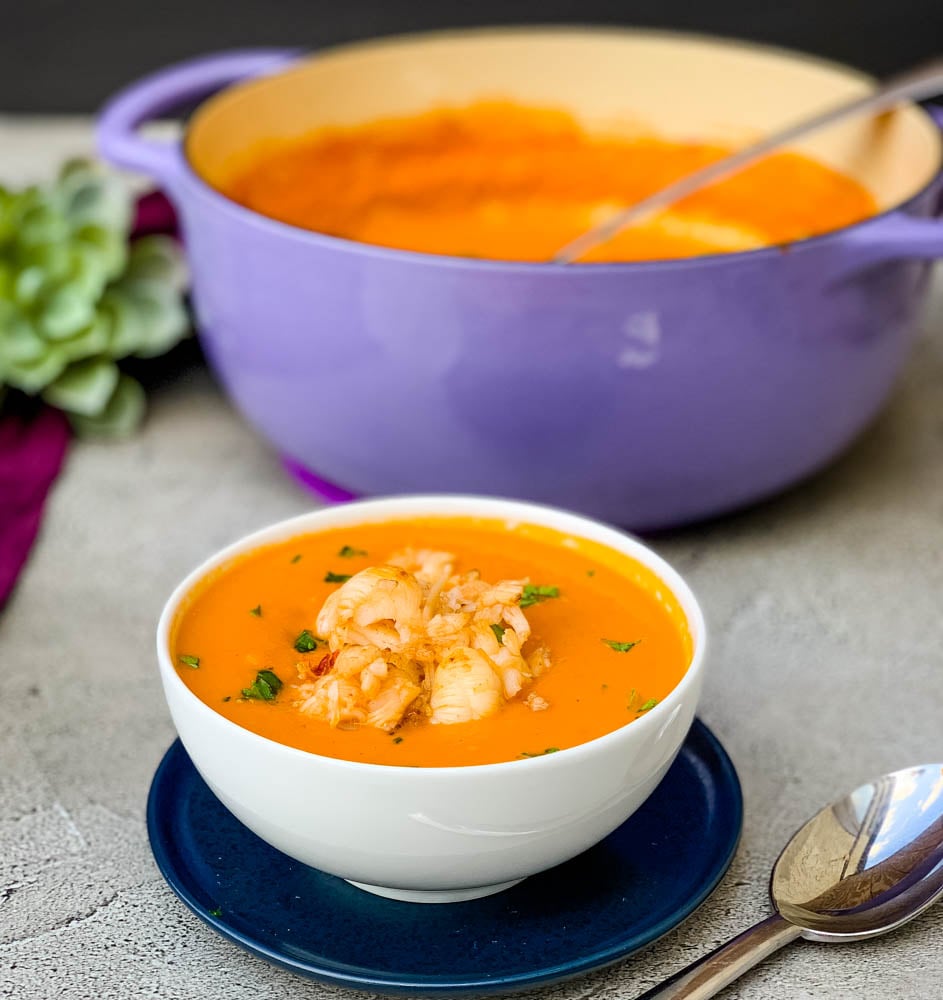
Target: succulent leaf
x=31, y=376
x=84, y=388
x=124, y=323
x=27, y=285
x=88, y=197
x=120, y=418
x=64, y=313
x=91, y=341
x=21, y=344
x=109, y=248
x=162, y=317
x=157, y=259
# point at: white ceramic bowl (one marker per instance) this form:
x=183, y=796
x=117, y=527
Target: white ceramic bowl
x=441, y=833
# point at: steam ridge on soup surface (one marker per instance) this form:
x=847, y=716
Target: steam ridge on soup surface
x=446, y=681
x=503, y=181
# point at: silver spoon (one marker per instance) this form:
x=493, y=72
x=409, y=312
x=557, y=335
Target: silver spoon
x=862, y=866
x=915, y=85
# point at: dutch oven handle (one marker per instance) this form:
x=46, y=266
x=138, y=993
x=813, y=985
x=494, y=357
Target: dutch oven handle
x=165, y=90
x=895, y=236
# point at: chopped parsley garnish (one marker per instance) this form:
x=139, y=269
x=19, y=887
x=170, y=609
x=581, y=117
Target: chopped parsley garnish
x=349, y=552
x=542, y=753
x=621, y=647
x=499, y=631
x=648, y=706
x=397, y=739
x=265, y=686
x=190, y=661
x=590, y=572
x=331, y=577
x=217, y=911
x=257, y=611
x=306, y=642
x=296, y=558
x=536, y=593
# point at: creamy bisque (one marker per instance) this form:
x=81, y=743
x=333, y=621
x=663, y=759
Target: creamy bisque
x=508, y=182
x=617, y=639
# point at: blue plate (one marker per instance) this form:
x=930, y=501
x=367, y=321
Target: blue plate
x=619, y=896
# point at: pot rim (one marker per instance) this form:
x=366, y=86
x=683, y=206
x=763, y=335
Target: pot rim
x=531, y=268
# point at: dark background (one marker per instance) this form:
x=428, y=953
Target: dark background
x=69, y=55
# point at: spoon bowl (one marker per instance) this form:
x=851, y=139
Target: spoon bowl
x=868, y=862
x=860, y=867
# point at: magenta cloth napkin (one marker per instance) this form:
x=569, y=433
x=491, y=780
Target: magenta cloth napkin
x=31, y=454
x=154, y=214
x=32, y=448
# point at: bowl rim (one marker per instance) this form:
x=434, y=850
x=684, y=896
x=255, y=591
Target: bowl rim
x=403, y=507
x=398, y=254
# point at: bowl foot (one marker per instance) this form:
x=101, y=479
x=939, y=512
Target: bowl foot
x=329, y=492
x=435, y=895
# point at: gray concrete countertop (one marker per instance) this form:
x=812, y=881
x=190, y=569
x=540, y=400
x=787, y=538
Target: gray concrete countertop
x=826, y=669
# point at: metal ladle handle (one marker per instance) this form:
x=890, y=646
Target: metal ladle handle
x=710, y=974
x=914, y=85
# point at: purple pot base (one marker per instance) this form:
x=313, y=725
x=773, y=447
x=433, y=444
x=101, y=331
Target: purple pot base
x=323, y=489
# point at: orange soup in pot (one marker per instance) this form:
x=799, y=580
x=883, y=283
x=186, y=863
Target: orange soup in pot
x=432, y=642
x=503, y=181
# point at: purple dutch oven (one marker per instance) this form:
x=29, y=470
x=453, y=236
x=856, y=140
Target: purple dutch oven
x=649, y=394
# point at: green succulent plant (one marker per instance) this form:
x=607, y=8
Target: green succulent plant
x=76, y=298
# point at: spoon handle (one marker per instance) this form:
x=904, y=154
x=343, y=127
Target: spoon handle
x=710, y=974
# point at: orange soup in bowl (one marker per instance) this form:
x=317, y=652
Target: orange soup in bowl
x=504, y=181
x=432, y=642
